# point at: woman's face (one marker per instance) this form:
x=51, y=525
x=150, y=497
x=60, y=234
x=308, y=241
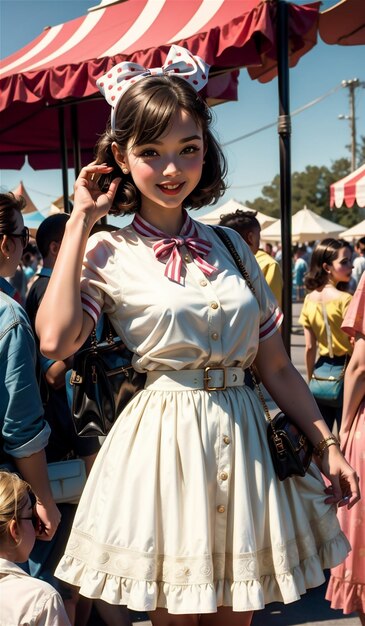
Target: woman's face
x=26, y=531
x=169, y=168
x=14, y=246
x=340, y=269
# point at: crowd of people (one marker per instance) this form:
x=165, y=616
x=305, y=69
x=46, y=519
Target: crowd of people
x=182, y=515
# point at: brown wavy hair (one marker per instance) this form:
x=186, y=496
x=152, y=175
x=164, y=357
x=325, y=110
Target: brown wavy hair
x=9, y=205
x=143, y=114
x=326, y=251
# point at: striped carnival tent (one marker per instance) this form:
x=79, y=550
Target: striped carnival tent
x=349, y=190
x=51, y=110
x=48, y=88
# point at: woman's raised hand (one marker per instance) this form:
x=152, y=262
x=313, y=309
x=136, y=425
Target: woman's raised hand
x=88, y=197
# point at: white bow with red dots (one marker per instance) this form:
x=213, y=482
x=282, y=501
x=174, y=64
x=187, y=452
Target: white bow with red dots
x=179, y=61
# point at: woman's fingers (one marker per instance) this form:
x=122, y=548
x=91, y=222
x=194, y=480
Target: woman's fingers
x=92, y=172
x=88, y=196
x=352, y=491
x=113, y=189
x=343, y=491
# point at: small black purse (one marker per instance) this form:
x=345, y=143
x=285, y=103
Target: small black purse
x=291, y=452
x=290, y=449
x=103, y=382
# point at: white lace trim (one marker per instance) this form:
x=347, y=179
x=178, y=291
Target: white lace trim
x=246, y=582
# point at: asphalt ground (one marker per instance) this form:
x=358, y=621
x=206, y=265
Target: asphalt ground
x=312, y=609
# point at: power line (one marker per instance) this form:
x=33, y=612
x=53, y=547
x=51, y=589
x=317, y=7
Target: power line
x=265, y=182
x=42, y=193
x=296, y=112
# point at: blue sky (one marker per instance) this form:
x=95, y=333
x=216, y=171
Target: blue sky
x=318, y=136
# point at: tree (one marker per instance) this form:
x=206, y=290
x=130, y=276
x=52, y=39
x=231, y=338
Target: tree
x=311, y=188
x=361, y=151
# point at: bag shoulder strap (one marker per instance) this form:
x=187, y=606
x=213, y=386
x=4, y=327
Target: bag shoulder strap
x=240, y=265
x=236, y=257
x=328, y=330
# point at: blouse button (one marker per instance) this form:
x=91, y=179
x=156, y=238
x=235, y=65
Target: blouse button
x=214, y=305
x=186, y=257
x=221, y=508
x=223, y=475
x=226, y=439
x=214, y=336
x=203, y=283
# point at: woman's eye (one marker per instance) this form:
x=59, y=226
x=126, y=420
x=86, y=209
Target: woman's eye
x=190, y=149
x=148, y=153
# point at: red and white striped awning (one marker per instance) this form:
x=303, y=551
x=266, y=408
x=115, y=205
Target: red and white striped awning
x=349, y=190
x=343, y=23
x=63, y=62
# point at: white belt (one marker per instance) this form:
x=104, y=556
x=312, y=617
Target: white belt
x=210, y=379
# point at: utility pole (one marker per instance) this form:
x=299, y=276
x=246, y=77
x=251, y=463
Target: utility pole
x=352, y=85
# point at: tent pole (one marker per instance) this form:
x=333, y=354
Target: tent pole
x=284, y=130
x=75, y=140
x=63, y=144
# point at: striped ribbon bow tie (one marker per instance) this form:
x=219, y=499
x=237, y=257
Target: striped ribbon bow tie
x=168, y=248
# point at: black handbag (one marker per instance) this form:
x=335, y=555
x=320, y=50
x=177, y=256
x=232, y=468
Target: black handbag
x=290, y=449
x=103, y=382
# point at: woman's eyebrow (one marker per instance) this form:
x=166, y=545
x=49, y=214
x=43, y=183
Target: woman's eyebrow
x=157, y=142
x=192, y=138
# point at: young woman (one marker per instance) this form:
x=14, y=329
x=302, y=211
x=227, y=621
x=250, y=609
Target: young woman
x=182, y=514
x=24, y=600
x=323, y=311
x=346, y=589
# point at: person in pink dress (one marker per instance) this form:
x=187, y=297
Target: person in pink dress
x=346, y=589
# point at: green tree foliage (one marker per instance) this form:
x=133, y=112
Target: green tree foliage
x=311, y=188
x=361, y=151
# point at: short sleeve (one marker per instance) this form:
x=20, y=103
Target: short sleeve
x=303, y=317
x=98, y=289
x=47, y=606
x=354, y=321
x=274, y=280
x=271, y=316
x=24, y=429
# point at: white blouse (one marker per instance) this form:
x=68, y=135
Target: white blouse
x=206, y=321
x=27, y=601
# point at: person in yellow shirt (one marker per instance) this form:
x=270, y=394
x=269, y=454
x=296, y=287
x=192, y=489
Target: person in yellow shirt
x=248, y=226
x=323, y=312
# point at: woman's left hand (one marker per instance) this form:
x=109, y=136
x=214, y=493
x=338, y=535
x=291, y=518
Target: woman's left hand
x=344, y=488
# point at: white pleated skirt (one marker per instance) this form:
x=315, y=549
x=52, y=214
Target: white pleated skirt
x=183, y=510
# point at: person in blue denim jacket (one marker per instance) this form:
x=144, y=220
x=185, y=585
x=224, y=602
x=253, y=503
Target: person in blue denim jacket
x=23, y=430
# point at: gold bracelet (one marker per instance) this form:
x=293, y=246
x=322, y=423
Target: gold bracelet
x=324, y=444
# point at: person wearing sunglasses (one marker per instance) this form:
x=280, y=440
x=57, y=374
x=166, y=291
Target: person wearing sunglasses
x=24, y=432
x=24, y=600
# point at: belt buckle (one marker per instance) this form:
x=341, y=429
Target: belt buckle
x=207, y=378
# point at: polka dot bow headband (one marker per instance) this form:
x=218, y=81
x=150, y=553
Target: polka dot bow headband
x=179, y=61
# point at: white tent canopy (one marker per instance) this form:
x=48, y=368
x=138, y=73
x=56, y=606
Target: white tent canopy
x=355, y=232
x=306, y=226
x=231, y=206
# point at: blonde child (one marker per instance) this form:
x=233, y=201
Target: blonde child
x=24, y=600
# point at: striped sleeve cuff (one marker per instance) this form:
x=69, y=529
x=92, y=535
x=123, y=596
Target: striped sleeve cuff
x=271, y=325
x=91, y=307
